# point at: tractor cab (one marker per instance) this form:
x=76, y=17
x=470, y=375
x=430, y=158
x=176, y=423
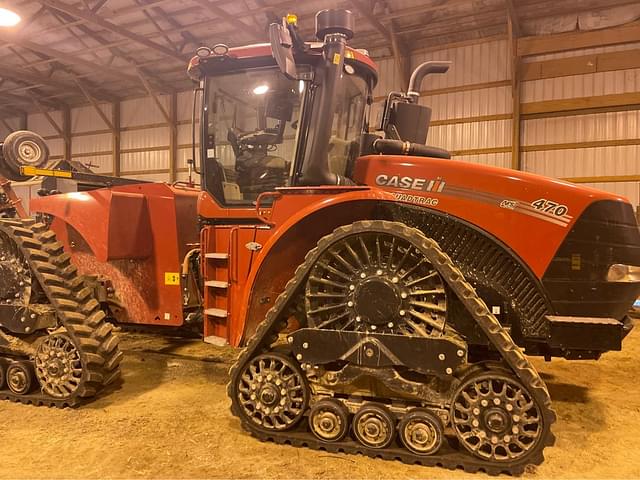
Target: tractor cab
x=283, y=114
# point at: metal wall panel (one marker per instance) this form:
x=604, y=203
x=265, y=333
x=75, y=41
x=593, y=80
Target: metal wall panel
x=92, y=144
x=388, y=78
x=585, y=162
x=144, y=161
x=12, y=122
x=630, y=190
x=493, y=159
x=142, y=111
x=144, y=138
x=583, y=51
x=582, y=128
x=467, y=136
x=97, y=163
x=38, y=123
x=153, y=177
x=576, y=86
x=56, y=145
x=86, y=119
x=185, y=105
x=476, y=63
x=471, y=103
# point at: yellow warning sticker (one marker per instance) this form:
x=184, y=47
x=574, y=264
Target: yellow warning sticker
x=336, y=58
x=171, y=278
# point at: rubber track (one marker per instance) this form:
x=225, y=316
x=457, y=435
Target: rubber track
x=267, y=332
x=76, y=309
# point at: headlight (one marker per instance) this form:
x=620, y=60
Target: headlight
x=623, y=273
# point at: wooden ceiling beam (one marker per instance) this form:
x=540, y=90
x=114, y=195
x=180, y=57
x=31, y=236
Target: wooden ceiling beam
x=560, y=42
x=232, y=19
x=63, y=56
x=95, y=105
x=155, y=97
x=94, y=19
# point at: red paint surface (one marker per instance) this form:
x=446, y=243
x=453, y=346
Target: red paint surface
x=132, y=235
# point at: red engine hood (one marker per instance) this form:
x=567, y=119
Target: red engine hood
x=529, y=213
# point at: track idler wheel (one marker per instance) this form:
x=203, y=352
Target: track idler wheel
x=19, y=377
x=58, y=366
x=421, y=432
x=329, y=420
x=496, y=418
x=272, y=392
x=374, y=426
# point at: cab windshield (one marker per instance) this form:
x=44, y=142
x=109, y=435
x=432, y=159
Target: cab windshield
x=253, y=119
x=251, y=127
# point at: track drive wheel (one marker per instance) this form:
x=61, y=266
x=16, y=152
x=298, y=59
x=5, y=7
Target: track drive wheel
x=496, y=418
x=421, y=432
x=19, y=378
x=329, y=420
x=374, y=426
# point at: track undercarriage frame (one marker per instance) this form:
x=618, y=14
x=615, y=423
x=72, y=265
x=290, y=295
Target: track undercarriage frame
x=490, y=416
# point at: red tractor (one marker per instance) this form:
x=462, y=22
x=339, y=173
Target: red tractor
x=384, y=293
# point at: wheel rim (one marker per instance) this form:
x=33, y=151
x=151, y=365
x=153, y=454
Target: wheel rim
x=496, y=418
x=29, y=152
x=328, y=420
x=376, y=281
x=421, y=432
x=272, y=392
x=19, y=379
x=374, y=427
x=58, y=366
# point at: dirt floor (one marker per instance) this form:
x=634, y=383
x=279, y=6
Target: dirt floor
x=170, y=419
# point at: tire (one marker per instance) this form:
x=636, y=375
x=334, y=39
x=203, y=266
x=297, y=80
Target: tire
x=22, y=148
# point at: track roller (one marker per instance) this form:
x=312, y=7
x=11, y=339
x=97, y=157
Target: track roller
x=329, y=420
x=374, y=426
x=20, y=377
x=421, y=432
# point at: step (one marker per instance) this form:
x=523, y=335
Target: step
x=216, y=312
x=217, y=284
x=217, y=256
x=217, y=341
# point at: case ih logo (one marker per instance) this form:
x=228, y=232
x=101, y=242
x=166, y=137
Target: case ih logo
x=411, y=183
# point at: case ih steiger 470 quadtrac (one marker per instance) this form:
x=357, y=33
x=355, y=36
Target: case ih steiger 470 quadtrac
x=383, y=292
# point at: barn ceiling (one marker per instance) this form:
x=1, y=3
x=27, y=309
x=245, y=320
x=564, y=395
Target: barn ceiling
x=68, y=52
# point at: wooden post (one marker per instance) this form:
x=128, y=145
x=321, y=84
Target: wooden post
x=66, y=132
x=173, y=141
x=516, y=160
x=115, y=137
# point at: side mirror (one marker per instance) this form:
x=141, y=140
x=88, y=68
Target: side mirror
x=282, y=51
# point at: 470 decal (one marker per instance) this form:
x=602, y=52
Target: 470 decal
x=550, y=207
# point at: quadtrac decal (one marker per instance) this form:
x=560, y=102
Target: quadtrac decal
x=416, y=184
